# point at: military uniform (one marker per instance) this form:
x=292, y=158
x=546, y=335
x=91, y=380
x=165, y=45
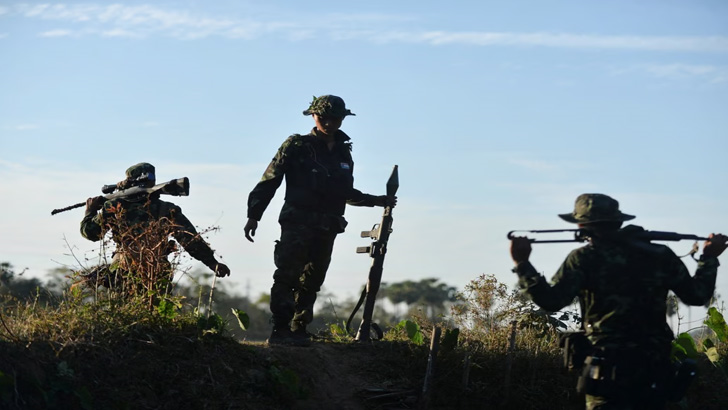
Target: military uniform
x=622, y=287
x=142, y=250
x=319, y=185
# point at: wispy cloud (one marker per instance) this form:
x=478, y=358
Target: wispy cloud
x=121, y=33
x=56, y=33
x=22, y=127
x=523, y=161
x=534, y=165
x=142, y=21
x=565, y=40
x=677, y=71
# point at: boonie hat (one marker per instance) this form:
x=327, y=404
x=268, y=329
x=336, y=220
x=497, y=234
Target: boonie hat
x=135, y=171
x=329, y=105
x=590, y=208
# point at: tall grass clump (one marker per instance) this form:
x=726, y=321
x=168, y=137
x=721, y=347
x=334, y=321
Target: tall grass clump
x=117, y=337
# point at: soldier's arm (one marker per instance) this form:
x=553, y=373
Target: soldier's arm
x=698, y=289
x=92, y=223
x=566, y=284
x=187, y=236
x=263, y=192
x=358, y=198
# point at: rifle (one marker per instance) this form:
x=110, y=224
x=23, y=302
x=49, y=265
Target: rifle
x=628, y=232
x=176, y=187
x=377, y=250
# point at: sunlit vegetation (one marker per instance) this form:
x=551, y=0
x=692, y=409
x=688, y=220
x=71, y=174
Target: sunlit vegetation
x=65, y=346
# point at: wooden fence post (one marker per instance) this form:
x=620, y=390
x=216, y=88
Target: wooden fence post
x=430, y=373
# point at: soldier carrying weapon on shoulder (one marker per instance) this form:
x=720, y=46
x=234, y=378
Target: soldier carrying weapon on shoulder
x=140, y=226
x=622, y=284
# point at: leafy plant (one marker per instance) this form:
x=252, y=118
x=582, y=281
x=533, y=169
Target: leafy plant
x=716, y=323
x=167, y=307
x=684, y=347
x=243, y=318
x=214, y=325
x=414, y=333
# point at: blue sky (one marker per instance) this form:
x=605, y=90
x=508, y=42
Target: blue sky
x=498, y=114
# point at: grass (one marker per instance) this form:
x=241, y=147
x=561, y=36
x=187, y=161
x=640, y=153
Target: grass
x=114, y=352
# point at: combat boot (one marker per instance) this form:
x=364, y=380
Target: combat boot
x=301, y=333
x=284, y=336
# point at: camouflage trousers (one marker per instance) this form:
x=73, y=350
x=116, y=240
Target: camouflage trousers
x=631, y=381
x=302, y=257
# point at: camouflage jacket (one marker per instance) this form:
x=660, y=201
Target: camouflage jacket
x=319, y=182
x=128, y=220
x=622, y=290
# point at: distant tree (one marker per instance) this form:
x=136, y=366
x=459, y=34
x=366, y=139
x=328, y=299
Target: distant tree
x=430, y=292
x=59, y=280
x=14, y=287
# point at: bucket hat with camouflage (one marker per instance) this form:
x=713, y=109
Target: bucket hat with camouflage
x=135, y=171
x=590, y=208
x=141, y=174
x=328, y=105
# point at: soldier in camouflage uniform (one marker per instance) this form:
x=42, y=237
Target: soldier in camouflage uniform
x=622, y=286
x=140, y=227
x=318, y=169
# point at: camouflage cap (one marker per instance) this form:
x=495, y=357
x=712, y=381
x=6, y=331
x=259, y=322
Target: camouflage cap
x=135, y=171
x=330, y=105
x=590, y=208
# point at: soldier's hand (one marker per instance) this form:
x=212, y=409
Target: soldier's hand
x=385, y=200
x=94, y=204
x=250, y=228
x=221, y=270
x=715, y=245
x=520, y=249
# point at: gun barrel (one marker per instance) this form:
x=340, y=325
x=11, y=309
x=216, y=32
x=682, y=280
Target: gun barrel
x=668, y=236
x=578, y=235
x=68, y=208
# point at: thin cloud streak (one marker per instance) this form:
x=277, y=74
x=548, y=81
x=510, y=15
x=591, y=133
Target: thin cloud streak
x=676, y=71
x=56, y=33
x=565, y=40
x=145, y=20
x=23, y=127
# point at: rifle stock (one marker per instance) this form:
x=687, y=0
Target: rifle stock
x=377, y=251
x=175, y=187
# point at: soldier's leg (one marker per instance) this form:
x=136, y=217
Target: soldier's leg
x=290, y=257
x=313, y=277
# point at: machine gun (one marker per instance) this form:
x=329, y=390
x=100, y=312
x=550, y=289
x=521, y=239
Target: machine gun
x=377, y=250
x=175, y=187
